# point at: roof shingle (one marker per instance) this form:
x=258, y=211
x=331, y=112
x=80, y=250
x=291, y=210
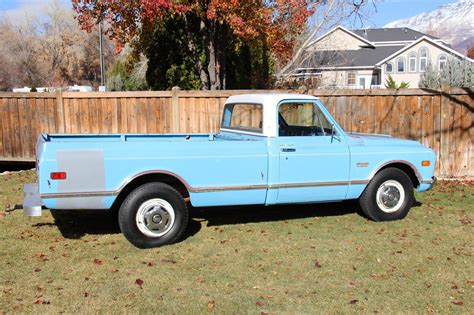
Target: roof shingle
x=390, y=34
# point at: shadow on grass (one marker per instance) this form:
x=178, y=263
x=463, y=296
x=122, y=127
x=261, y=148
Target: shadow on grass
x=76, y=224
x=216, y=216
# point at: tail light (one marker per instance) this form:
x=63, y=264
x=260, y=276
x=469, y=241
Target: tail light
x=58, y=175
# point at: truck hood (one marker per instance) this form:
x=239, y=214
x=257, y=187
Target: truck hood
x=380, y=140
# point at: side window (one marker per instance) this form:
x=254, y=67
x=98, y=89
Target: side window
x=243, y=117
x=442, y=60
x=302, y=119
x=412, y=62
x=351, y=78
x=423, y=59
x=401, y=65
x=389, y=67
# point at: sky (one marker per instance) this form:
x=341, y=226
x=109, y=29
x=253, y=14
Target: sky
x=387, y=11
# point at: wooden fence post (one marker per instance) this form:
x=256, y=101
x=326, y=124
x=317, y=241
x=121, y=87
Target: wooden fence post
x=175, y=109
x=60, y=109
x=444, y=158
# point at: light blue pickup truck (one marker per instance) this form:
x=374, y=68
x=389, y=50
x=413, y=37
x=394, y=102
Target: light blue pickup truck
x=271, y=149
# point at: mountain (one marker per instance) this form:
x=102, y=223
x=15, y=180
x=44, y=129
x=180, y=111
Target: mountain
x=453, y=22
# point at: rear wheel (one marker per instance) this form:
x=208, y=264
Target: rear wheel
x=153, y=215
x=389, y=196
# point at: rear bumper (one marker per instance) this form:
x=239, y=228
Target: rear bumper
x=32, y=203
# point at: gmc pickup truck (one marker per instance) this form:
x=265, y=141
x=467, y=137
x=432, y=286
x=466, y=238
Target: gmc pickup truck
x=271, y=149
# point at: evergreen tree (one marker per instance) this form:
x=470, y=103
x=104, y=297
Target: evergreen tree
x=430, y=79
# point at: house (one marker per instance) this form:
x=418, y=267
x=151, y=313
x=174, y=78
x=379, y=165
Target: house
x=364, y=58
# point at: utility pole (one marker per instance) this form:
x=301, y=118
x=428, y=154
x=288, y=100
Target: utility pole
x=101, y=52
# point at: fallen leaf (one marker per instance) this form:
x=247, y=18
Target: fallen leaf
x=465, y=221
x=353, y=301
x=98, y=261
x=115, y=270
x=225, y=241
x=37, y=269
x=86, y=294
x=169, y=261
x=210, y=305
x=139, y=282
x=317, y=264
x=260, y=303
x=459, y=303
x=151, y=264
x=131, y=295
x=41, y=256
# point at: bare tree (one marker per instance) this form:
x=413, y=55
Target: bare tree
x=49, y=50
x=329, y=14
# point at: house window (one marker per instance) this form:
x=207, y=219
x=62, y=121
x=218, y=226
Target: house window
x=423, y=59
x=351, y=78
x=412, y=62
x=389, y=67
x=401, y=64
x=442, y=60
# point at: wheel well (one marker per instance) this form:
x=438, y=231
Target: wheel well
x=150, y=178
x=406, y=169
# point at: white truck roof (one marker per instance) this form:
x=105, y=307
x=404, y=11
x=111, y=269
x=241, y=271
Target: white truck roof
x=267, y=98
x=270, y=103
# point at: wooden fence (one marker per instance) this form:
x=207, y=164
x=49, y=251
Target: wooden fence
x=442, y=120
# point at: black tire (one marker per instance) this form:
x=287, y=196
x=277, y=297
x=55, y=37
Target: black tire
x=153, y=200
x=382, y=205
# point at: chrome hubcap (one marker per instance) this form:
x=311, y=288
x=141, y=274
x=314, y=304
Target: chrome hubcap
x=390, y=196
x=155, y=217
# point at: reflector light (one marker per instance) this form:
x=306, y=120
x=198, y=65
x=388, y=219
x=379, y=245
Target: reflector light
x=58, y=175
x=425, y=163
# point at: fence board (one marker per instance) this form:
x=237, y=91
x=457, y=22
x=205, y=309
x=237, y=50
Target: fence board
x=442, y=120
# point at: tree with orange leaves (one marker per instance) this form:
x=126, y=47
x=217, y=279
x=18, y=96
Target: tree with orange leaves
x=209, y=27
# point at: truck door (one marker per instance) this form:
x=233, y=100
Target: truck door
x=314, y=158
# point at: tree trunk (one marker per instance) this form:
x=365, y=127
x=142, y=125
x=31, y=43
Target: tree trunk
x=212, y=66
x=221, y=54
x=193, y=48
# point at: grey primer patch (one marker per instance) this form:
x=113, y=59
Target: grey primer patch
x=85, y=173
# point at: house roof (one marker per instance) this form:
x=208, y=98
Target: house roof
x=428, y=39
x=390, y=34
x=364, y=57
x=342, y=28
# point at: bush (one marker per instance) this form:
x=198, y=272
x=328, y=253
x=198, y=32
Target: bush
x=456, y=73
x=390, y=83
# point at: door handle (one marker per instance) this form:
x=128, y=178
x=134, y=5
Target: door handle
x=288, y=150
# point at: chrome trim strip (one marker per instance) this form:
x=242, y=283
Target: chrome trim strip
x=415, y=170
x=80, y=194
x=210, y=189
x=359, y=182
x=224, y=188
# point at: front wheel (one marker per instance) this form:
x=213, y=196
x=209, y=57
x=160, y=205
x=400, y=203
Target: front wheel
x=153, y=215
x=388, y=196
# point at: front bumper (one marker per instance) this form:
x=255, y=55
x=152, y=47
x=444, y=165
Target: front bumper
x=32, y=203
x=430, y=182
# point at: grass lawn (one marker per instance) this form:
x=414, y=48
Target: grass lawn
x=293, y=259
